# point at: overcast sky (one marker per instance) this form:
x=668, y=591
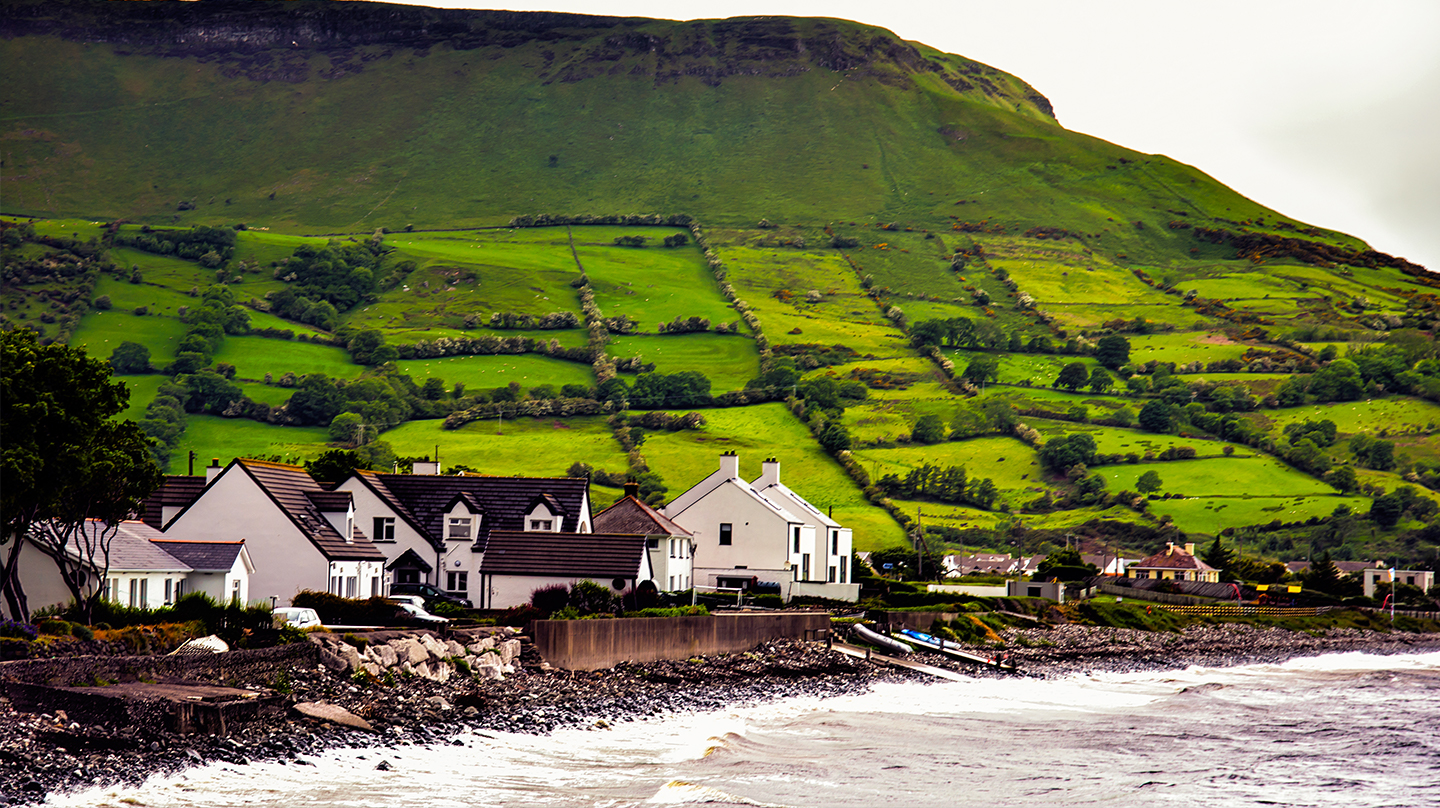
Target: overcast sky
x=1325, y=110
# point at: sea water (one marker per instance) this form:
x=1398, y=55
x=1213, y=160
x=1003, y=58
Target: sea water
x=1339, y=730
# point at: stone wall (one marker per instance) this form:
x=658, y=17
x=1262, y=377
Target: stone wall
x=257, y=665
x=597, y=644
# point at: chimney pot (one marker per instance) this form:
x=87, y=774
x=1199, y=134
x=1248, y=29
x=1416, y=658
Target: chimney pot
x=632, y=489
x=213, y=470
x=730, y=465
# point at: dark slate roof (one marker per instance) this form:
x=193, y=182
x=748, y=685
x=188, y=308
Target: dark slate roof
x=176, y=490
x=409, y=558
x=503, y=500
x=372, y=481
x=203, y=556
x=131, y=547
x=630, y=515
x=292, y=489
x=581, y=555
x=330, y=501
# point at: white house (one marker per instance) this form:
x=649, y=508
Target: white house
x=145, y=569
x=298, y=535
x=743, y=537
x=220, y=569
x=435, y=529
x=671, y=548
x=517, y=562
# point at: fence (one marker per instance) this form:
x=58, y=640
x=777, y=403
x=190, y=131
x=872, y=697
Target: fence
x=1244, y=610
x=1157, y=597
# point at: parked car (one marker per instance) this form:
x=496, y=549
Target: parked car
x=408, y=614
x=413, y=600
x=297, y=616
x=431, y=594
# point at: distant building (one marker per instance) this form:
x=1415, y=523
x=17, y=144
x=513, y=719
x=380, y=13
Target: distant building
x=1379, y=579
x=1175, y=564
x=671, y=548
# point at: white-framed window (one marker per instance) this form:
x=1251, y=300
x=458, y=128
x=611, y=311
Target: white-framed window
x=375, y=586
x=352, y=586
x=832, y=575
x=234, y=590
x=169, y=591
x=457, y=582
x=797, y=539
x=834, y=542
x=335, y=585
x=652, y=543
x=458, y=528
x=112, y=590
x=843, y=577
x=726, y=532
x=135, y=597
x=672, y=583
x=384, y=529
x=542, y=524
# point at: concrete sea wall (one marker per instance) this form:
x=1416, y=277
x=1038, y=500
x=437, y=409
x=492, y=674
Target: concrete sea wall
x=589, y=645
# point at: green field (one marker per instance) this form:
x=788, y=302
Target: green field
x=253, y=357
x=1210, y=515
x=728, y=360
x=534, y=447
x=1117, y=440
x=488, y=372
x=211, y=436
x=1230, y=477
x=1010, y=464
x=685, y=458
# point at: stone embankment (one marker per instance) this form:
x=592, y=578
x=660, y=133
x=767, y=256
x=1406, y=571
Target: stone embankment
x=484, y=653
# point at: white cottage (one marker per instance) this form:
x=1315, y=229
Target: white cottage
x=299, y=535
x=746, y=534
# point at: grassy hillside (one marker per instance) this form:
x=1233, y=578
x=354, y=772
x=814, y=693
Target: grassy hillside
x=847, y=190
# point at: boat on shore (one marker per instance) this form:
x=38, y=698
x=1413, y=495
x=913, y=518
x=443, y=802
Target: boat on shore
x=932, y=643
x=879, y=640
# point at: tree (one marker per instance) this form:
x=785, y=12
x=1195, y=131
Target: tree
x=346, y=429
x=1157, y=416
x=334, y=465
x=1221, y=558
x=982, y=369
x=1386, y=511
x=1323, y=575
x=1112, y=351
x=64, y=460
x=835, y=439
x=1064, y=452
x=1065, y=565
x=1100, y=381
x=130, y=357
x=1149, y=482
x=1072, y=377
x=929, y=429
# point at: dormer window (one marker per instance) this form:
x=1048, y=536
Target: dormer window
x=458, y=528
x=542, y=524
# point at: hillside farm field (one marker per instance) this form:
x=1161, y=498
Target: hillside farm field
x=489, y=372
x=535, y=447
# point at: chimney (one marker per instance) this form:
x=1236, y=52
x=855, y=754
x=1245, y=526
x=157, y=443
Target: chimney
x=632, y=489
x=1189, y=548
x=770, y=472
x=429, y=468
x=730, y=465
x=213, y=470
x=1169, y=548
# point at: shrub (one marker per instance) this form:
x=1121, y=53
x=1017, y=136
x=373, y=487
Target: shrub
x=769, y=601
x=12, y=628
x=81, y=631
x=591, y=598
x=54, y=626
x=550, y=599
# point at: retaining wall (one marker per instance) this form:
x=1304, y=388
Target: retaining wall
x=589, y=645
x=1158, y=597
x=258, y=665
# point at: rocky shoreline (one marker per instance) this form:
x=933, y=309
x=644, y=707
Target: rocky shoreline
x=48, y=753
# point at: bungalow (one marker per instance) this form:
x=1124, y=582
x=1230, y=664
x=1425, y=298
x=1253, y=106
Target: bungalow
x=300, y=535
x=1381, y=579
x=518, y=562
x=140, y=568
x=1175, y=564
x=670, y=547
x=743, y=536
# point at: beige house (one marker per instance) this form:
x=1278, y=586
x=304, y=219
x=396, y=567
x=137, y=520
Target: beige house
x=1175, y=564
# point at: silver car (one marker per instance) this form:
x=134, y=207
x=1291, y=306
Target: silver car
x=296, y=616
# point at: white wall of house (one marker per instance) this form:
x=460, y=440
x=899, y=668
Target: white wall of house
x=672, y=558
x=540, y=518
x=342, y=521
x=355, y=579
x=232, y=584
x=233, y=508
x=45, y=586
x=505, y=591
x=401, y=537
x=759, y=536
x=41, y=581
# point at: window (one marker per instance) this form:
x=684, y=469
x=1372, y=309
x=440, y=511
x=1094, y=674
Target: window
x=834, y=542
x=832, y=575
x=459, y=528
x=797, y=539
x=652, y=543
x=112, y=590
x=672, y=548
x=134, y=592
x=843, y=577
x=384, y=529
x=457, y=581
x=169, y=591
x=725, y=532
x=542, y=524
x=805, y=567
x=334, y=585
x=352, y=586
x=375, y=586
x=672, y=583
x=234, y=590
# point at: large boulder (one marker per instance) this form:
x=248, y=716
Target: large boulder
x=481, y=646
x=407, y=649
x=434, y=647
x=509, y=650
x=487, y=670
x=332, y=714
x=382, y=655
x=454, y=649
x=347, y=652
